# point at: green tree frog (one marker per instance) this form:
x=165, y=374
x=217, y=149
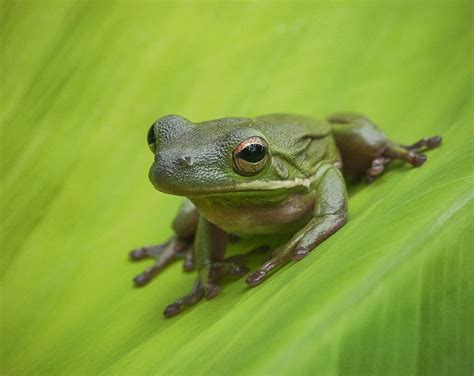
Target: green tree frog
x=278, y=174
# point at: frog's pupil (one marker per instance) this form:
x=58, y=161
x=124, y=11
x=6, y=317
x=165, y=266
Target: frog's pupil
x=253, y=153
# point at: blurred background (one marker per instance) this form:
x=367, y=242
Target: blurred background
x=82, y=81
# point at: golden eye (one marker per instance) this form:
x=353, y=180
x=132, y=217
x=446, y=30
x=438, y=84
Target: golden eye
x=151, y=139
x=250, y=156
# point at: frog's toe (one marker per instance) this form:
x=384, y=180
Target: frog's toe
x=418, y=159
x=225, y=267
x=137, y=254
x=411, y=153
x=255, y=278
x=172, y=310
x=141, y=279
x=235, y=265
x=164, y=254
x=198, y=292
x=408, y=153
x=377, y=166
x=278, y=259
x=212, y=291
x=424, y=143
x=240, y=270
x=146, y=251
x=236, y=269
x=148, y=274
x=299, y=253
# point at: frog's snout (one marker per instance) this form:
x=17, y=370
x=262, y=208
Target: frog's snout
x=169, y=171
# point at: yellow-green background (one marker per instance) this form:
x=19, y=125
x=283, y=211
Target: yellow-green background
x=81, y=82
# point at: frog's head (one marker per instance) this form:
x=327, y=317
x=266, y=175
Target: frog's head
x=216, y=157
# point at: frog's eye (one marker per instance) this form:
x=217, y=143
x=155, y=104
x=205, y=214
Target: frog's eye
x=151, y=139
x=250, y=156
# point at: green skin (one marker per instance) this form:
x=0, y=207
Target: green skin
x=295, y=190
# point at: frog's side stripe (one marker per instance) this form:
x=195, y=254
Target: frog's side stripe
x=319, y=170
x=273, y=185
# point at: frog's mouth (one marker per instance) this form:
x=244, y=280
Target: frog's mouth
x=260, y=186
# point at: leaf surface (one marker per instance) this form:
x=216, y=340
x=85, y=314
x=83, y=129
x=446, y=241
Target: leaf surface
x=391, y=293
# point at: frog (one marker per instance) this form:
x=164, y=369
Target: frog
x=282, y=175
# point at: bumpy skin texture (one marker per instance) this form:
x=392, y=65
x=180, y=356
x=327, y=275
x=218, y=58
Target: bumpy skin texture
x=276, y=174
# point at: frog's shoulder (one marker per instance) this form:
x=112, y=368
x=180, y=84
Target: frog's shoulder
x=294, y=124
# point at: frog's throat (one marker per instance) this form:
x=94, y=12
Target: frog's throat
x=302, y=184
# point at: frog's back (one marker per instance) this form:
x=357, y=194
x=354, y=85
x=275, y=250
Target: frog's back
x=292, y=125
x=302, y=141
x=281, y=125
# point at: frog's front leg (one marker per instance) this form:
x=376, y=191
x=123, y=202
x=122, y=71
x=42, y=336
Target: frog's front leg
x=179, y=246
x=209, y=246
x=330, y=215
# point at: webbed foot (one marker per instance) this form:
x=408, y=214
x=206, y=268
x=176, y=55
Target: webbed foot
x=164, y=254
x=407, y=153
x=230, y=266
x=196, y=294
x=279, y=258
x=208, y=290
x=200, y=290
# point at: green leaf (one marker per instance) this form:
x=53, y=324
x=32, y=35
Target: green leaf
x=391, y=293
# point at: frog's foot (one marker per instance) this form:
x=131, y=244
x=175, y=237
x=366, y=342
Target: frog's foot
x=377, y=166
x=235, y=265
x=407, y=153
x=227, y=267
x=317, y=230
x=283, y=255
x=232, y=266
x=164, y=254
x=257, y=277
x=279, y=258
x=199, y=291
x=424, y=144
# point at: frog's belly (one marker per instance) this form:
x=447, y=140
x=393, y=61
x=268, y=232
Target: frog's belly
x=255, y=216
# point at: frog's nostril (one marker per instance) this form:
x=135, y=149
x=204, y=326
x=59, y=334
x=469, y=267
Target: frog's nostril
x=187, y=160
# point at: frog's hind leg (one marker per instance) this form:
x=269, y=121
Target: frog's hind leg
x=178, y=247
x=424, y=143
x=411, y=153
x=407, y=153
x=365, y=150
